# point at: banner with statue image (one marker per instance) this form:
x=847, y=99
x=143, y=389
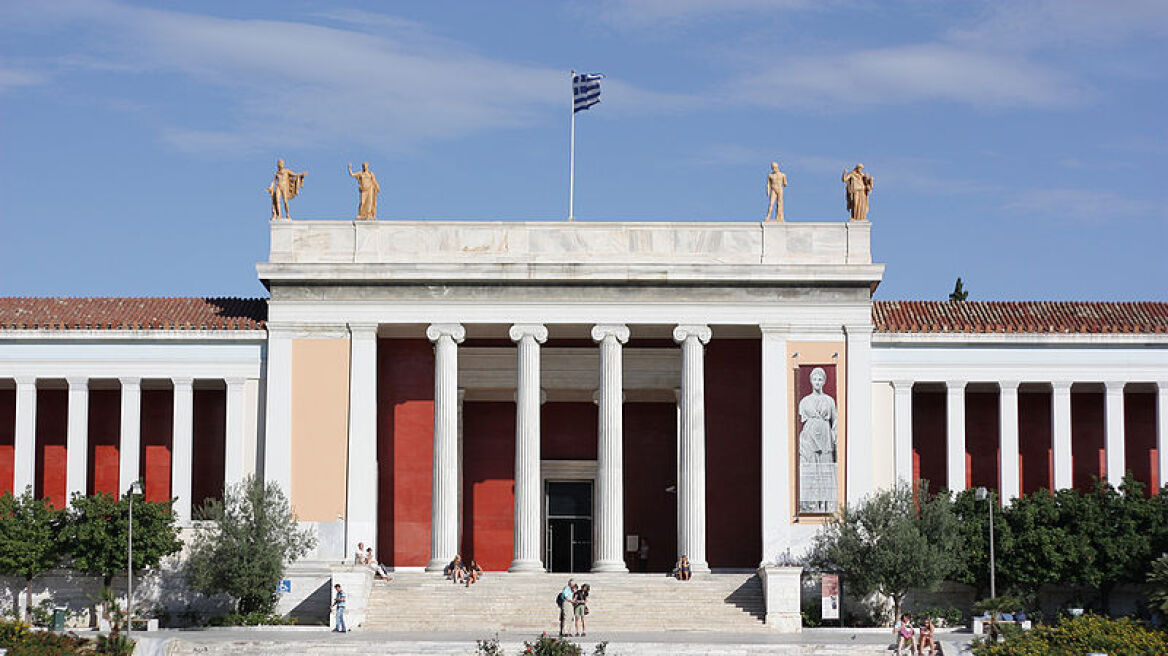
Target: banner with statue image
x=817, y=425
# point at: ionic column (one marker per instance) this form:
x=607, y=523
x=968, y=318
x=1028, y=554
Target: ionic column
x=182, y=449
x=528, y=495
x=130, y=447
x=1011, y=476
x=691, y=489
x=776, y=459
x=234, y=433
x=1114, y=433
x=1162, y=431
x=444, y=499
x=1060, y=421
x=610, y=497
x=77, y=437
x=361, y=499
x=24, y=447
x=278, y=416
x=902, y=391
x=955, y=435
x=858, y=455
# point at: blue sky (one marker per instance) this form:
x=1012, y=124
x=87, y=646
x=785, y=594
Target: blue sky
x=1019, y=145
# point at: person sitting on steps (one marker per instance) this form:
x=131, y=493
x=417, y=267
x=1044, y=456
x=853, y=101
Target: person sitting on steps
x=684, y=569
x=473, y=572
x=379, y=570
x=454, y=570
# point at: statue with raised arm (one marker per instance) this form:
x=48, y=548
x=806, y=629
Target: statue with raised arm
x=857, y=186
x=368, y=188
x=776, y=180
x=286, y=184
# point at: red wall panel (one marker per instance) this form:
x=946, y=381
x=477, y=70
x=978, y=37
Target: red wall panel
x=7, y=437
x=982, y=429
x=568, y=431
x=157, y=432
x=733, y=452
x=209, y=444
x=929, y=432
x=1034, y=441
x=105, y=422
x=488, y=474
x=51, y=429
x=405, y=434
x=1139, y=432
x=1088, y=457
x=650, y=466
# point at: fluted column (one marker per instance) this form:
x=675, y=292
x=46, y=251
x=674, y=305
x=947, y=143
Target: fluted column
x=610, y=499
x=902, y=391
x=1114, y=441
x=1162, y=431
x=444, y=499
x=955, y=435
x=77, y=436
x=278, y=416
x=776, y=452
x=527, y=337
x=234, y=433
x=361, y=499
x=182, y=451
x=858, y=454
x=691, y=497
x=1011, y=475
x=130, y=447
x=1060, y=408
x=24, y=447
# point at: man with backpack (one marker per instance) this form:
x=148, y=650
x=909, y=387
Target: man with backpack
x=564, y=601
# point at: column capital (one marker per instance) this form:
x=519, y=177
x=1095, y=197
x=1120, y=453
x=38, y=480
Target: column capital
x=364, y=329
x=858, y=330
x=1115, y=386
x=618, y=331
x=78, y=382
x=234, y=382
x=454, y=331
x=684, y=331
x=775, y=329
x=25, y=381
x=1061, y=385
x=1162, y=385
x=956, y=385
x=1008, y=385
x=903, y=385
x=130, y=381
x=182, y=381
x=536, y=331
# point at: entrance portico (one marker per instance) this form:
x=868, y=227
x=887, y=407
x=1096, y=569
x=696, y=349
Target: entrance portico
x=544, y=318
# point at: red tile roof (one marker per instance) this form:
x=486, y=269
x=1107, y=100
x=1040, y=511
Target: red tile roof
x=1020, y=317
x=133, y=313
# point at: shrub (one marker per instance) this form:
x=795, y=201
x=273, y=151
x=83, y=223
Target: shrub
x=1073, y=637
x=19, y=640
x=256, y=618
x=549, y=646
x=942, y=617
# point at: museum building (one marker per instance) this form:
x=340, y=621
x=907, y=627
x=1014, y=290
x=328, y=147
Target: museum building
x=546, y=395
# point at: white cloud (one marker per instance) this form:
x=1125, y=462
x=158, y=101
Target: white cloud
x=1095, y=205
x=1063, y=23
x=654, y=13
x=908, y=74
x=11, y=77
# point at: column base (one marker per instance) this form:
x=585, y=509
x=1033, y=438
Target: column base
x=526, y=566
x=699, y=568
x=610, y=566
x=437, y=565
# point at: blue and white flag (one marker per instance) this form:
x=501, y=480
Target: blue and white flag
x=585, y=90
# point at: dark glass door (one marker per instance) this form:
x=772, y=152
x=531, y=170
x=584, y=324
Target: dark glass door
x=569, y=526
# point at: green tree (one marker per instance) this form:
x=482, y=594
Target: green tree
x=1158, y=578
x=30, y=541
x=243, y=553
x=896, y=540
x=98, y=534
x=1036, y=548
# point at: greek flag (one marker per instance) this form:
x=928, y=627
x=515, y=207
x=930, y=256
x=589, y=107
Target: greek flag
x=585, y=90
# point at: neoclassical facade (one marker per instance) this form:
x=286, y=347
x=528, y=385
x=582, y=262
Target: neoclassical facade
x=546, y=396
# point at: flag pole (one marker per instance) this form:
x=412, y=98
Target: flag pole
x=572, y=149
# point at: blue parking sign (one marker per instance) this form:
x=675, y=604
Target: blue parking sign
x=284, y=587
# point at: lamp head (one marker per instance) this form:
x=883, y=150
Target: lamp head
x=135, y=488
x=982, y=494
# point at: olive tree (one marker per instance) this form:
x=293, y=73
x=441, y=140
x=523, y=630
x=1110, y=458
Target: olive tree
x=30, y=538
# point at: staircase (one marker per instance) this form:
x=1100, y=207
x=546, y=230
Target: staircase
x=526, y=602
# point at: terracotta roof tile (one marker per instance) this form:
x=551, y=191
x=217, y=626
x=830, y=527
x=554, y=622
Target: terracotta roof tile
x=1043, y=317
x=133, y=313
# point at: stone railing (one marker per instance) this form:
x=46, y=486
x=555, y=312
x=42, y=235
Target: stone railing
x=534, y=243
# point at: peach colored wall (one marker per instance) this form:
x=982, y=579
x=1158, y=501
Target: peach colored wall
x=320, y=427
x=811, y=353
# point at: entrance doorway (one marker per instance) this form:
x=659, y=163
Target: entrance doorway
x=568, y=508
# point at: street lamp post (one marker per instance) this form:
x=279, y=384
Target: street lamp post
x=135, y=488
x=983, y=494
